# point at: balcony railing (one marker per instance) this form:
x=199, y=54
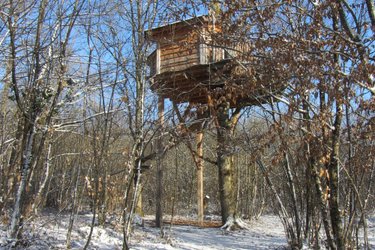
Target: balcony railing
x=205, y=54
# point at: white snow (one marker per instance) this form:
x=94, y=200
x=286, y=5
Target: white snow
x=48, y=231
x=265, y=233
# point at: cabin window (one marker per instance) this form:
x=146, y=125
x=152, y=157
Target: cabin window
x=153, y=62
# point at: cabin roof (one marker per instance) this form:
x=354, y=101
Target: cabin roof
x=154, y=34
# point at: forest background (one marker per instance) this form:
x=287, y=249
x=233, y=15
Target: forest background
x=79, y=120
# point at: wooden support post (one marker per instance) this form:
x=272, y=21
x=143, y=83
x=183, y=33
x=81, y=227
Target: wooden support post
x=159, y=173
x=200, y=169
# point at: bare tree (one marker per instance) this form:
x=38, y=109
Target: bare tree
x=35, y=95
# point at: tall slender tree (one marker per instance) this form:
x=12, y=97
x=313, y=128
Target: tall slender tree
x=38, y=73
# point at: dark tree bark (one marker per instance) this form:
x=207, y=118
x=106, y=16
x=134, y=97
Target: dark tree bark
x=333, y=170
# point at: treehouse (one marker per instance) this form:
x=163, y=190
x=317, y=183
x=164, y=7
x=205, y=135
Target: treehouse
x=189, y=63
x=194, y=63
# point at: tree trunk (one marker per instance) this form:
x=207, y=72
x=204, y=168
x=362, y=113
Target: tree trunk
x=333, y=170
x=322, y=203
x=159, y=173
x=74, y=207
x=297, y=241
x=200, y=181
x=159, y=193
x=225, y=128
x=10, y=176
x=39, y=196
x=27, y=146
x=283, y=213
x=102, y=206
x=139, y=205
x=225, y=165
x=226, y=186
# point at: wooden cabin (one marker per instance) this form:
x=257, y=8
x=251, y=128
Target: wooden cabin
x=189, y=62
x=185, y=59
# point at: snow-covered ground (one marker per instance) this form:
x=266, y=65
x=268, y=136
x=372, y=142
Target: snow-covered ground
x=265, y=233
x=49, y=232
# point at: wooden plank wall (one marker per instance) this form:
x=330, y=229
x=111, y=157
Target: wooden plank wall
x=179, y=51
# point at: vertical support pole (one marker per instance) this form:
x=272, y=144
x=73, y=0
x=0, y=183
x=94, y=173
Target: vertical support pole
x=159, y=173
x=200, y=181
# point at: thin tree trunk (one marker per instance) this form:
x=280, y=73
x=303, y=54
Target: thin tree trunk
x=200, y=181
x=14, y=154
x=60, y=195
x=94, y=204
x=310, y=206
x=314, y=170
x=3, y=114
x=26, y=160
x=124, y=214
x=74, y=208
x=159, y=173
x=12, y=171
x=38, y=198
x=139, y=205
x=174, y=190
x=297, y=222
x=296, y=241
x=333, y=170
x=283, y=213
x=137, y=186
x=102, y=206
x=322, y=204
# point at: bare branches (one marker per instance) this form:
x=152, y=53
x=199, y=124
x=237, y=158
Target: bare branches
x=66, y=124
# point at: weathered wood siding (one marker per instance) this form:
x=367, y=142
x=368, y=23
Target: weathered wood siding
x=179, y=51
x=194, y=57
x=182, y=47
